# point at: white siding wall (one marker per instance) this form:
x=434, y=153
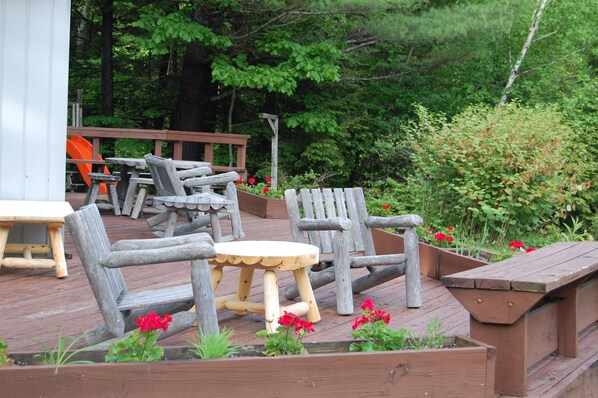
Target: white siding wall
x=34, y=49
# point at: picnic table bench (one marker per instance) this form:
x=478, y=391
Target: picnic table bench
x=530, y=306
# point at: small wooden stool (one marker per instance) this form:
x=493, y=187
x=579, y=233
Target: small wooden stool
x=92, y=194
x=133, y=210
x=271, y=256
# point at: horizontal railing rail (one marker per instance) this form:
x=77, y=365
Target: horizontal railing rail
x=96, y=134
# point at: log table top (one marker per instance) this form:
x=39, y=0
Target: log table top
x=30, y=211
x=139, y=163
x=267, y=254
x=206, y=202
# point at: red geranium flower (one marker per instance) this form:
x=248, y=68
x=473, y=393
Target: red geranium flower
x=440, y=236
x=153, y=321
x=385, y=207
x=251, y=180
x=360, y=320
x=266, y=190
x=367, y=305
x=451, y=228
x=516, y=245
x=287, y=319
x=268, y=180
x=529, y=249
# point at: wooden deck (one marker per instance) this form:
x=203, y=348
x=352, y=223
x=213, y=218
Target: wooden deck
x=35, y=305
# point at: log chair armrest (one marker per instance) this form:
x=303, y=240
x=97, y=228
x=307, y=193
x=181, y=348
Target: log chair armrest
x=324, y=224
x=217, y=179
x=186, y=252
x=404, y=221
x=195, y=172
x=159, y=243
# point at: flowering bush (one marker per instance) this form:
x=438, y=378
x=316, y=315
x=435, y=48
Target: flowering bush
x=283, y=341
x=373, y=330
x=140, y=346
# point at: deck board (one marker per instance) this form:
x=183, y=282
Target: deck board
x=35, y=305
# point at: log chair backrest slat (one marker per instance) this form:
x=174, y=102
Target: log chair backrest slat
x=164, y=174
x=92, y=243
x=330, y=203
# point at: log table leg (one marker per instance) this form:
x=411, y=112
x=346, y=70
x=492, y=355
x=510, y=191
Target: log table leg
x=271, y=301
x=57, y=247
x=306, y=293
x=4, y=230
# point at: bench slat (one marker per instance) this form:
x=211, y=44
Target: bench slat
x=559, y=274
x=530, y=271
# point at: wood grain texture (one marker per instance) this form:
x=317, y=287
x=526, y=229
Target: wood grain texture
x=454, y=372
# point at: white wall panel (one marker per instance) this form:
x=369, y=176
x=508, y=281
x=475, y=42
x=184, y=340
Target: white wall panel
x=34, y=45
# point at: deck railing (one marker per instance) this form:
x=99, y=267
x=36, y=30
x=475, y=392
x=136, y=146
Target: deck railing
x=96, y=134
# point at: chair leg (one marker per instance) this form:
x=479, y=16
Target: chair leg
x=140, y=202
x=129, y=198
x=205, y=305
x=342, y=274
x=92, y=193
x=235, y=213
x=113, y=199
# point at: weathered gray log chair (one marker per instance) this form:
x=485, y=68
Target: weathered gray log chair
x=336, y=220
x=92, y=193
x=121, y=308
x=170, y=182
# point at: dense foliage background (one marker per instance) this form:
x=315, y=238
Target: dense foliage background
x=396, y=95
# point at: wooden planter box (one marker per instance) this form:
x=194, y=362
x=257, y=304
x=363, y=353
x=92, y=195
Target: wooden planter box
x=465, y=370
x=260, y=206
x=434, y=261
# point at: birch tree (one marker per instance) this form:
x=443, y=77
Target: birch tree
x=536, y=17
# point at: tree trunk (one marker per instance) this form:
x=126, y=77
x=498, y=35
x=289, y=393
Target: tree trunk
x=194, y=95
x=107, y=59
x=537, y=15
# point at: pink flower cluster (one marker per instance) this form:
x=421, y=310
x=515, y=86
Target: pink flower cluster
x=370, y=315
x=153, y=321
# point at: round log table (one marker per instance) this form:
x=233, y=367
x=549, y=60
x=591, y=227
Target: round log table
x=270, y=256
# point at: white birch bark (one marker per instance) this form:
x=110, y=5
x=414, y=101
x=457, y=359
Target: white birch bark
x=536, y=16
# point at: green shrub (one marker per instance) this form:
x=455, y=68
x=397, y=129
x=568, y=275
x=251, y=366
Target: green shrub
x=513, y=169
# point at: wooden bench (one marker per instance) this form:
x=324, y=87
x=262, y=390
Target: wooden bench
x=33, y=212
x=530, y=306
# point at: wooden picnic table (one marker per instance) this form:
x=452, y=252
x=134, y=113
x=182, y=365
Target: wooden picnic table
x=34, y=212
